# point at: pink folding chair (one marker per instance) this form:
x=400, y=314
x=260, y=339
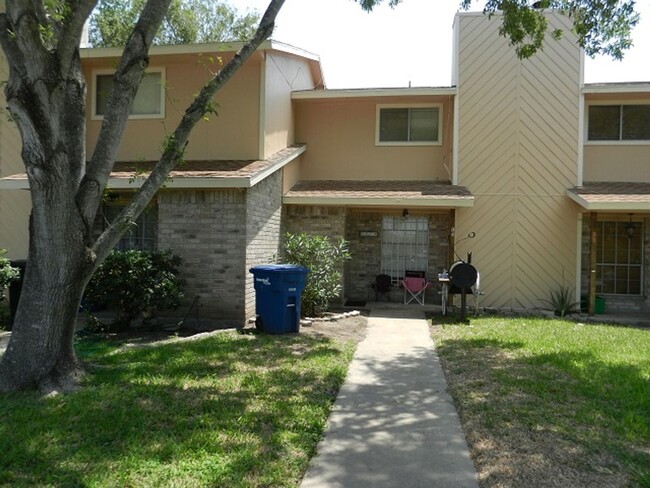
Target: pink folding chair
x=414, y=289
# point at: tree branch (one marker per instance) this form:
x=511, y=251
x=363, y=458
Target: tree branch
x=177, y=142
x=128, y=75
x=25, y=27
x=69, y=38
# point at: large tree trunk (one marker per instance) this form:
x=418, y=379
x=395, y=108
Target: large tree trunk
x=46, y=94
x=51, y=118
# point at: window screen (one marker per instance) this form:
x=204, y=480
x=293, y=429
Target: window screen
x=408, y=124
x=620, y=258
x=404, y=246
x=147, y=101
x=619, y=122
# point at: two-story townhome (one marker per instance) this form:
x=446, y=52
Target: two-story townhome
x=550, y=174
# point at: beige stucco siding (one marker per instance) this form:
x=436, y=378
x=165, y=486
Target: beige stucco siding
x=15, y=205
x=282, y=75
x=518, y=153
x=340, y=137
x=232, y=134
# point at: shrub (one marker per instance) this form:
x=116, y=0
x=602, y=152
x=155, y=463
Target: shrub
x=7, y=273
x=136, y=283
x=323, y=259
x=561, y=300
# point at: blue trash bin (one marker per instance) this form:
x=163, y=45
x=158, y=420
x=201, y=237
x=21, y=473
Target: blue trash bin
x=278, y=288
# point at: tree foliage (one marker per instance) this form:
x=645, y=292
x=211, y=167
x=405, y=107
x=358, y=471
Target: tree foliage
x=186, y=22
x=7, y=273
x=324, y=259
x=602, y=26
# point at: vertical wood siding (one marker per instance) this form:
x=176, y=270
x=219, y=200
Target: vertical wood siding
x=518, y=146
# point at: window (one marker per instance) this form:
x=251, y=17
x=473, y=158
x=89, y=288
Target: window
x=404, y=245
x=620, y=258
x=141, y=236
x=149, y=100
x=619, y=123
x=414, y=125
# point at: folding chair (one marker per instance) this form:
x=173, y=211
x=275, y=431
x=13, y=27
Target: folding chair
x=414, y=289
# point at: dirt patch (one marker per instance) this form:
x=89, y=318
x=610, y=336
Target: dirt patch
x=347, y=328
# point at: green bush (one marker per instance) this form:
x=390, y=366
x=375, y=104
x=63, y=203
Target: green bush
x=7, y=273
x=136, y=283
x=323, y=259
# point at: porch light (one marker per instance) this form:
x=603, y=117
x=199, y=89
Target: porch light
x=405, y=212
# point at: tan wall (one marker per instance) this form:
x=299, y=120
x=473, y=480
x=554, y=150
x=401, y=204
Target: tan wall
x=15, y=205
x=233, y=134
x=518, y=150
x=283, y=74
x=616, y=162
x=291, y=174
x=340, y=137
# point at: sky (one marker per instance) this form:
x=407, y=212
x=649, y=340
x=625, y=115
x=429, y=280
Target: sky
x=411, y=44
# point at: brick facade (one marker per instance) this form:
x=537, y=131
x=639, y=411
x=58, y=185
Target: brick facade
x=205, y=228
x=360, y=271
x=263, y=231
x=221, y=234
x=365, y=265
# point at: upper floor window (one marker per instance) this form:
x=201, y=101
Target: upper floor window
x=149, y=101
x=619, y=123
x=408, y=125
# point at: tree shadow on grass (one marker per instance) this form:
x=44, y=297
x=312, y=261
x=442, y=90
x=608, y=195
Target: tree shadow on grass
x=210, y=412
x=578, y=420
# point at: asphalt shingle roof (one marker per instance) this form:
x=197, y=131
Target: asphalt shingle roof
x=379, y=189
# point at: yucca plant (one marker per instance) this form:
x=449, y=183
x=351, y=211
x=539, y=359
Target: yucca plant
x=561, y=300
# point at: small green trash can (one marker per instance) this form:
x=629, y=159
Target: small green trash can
x=600, y=305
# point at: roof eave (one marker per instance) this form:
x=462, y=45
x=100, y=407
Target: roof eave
x=449, y=202
x=372, y=92
x=181, y=182
x=611, y=206
x=631, y=87
x=116, y=52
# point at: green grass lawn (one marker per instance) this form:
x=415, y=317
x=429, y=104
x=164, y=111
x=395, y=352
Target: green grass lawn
x=551, y=402
x=229, y=410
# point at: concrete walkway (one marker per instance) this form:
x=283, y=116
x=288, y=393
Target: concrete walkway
x=393, y=423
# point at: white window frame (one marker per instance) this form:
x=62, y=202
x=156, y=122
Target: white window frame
x=103, y=72
x=619, y=142
x=381, y=106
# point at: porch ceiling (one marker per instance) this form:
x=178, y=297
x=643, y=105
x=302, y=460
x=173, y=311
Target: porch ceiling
x=379, y=193
x=191, y=174
x=610, y=195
